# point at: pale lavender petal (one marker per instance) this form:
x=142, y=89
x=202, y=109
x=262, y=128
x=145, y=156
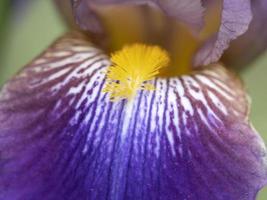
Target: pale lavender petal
x=62, y=139
x=189, y=11
x=250, y=45
x=85, y=17
x=235, y=20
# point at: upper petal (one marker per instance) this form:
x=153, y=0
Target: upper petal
x=61, y=137
x=235, y=20
x=188, y=11
x=65, y=10
x=250, y=45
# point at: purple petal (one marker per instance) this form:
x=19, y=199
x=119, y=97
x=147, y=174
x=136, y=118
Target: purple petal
x=250, y=45
x=65, y=10
x=236, y=17
x=85, y=17
x=61, y=138
x=188, y=11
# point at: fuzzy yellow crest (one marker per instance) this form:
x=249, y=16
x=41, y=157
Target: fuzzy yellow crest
x=132, y=68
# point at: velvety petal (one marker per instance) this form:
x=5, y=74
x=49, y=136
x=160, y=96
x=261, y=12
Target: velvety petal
x=250, y=45
x=235, y=20
x=188, y=11
x=61, y=137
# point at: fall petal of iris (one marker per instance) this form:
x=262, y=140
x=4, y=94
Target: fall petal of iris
x=61, y=137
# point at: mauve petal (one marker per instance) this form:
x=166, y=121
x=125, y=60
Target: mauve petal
x=250, y=45
x=235, y=20
x=62, y=139
x=188, y=11
x=65, y=9
x=85, y=17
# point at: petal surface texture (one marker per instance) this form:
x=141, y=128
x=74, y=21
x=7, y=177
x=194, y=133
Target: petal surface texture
x=62, y=139
x=188, y=11
x=235, y=19
x=250, y=45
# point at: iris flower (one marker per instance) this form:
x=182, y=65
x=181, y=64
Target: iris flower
x=137, y=102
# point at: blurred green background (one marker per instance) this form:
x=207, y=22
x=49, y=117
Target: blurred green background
x=28, y=33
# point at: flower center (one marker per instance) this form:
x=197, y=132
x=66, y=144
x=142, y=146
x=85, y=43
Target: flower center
x=132, y=68
x=127, y=24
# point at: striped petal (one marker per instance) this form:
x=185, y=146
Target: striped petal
x=188, y=11
x=61, y=137
x=235, y=20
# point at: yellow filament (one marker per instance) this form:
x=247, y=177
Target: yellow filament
x=131, y=68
